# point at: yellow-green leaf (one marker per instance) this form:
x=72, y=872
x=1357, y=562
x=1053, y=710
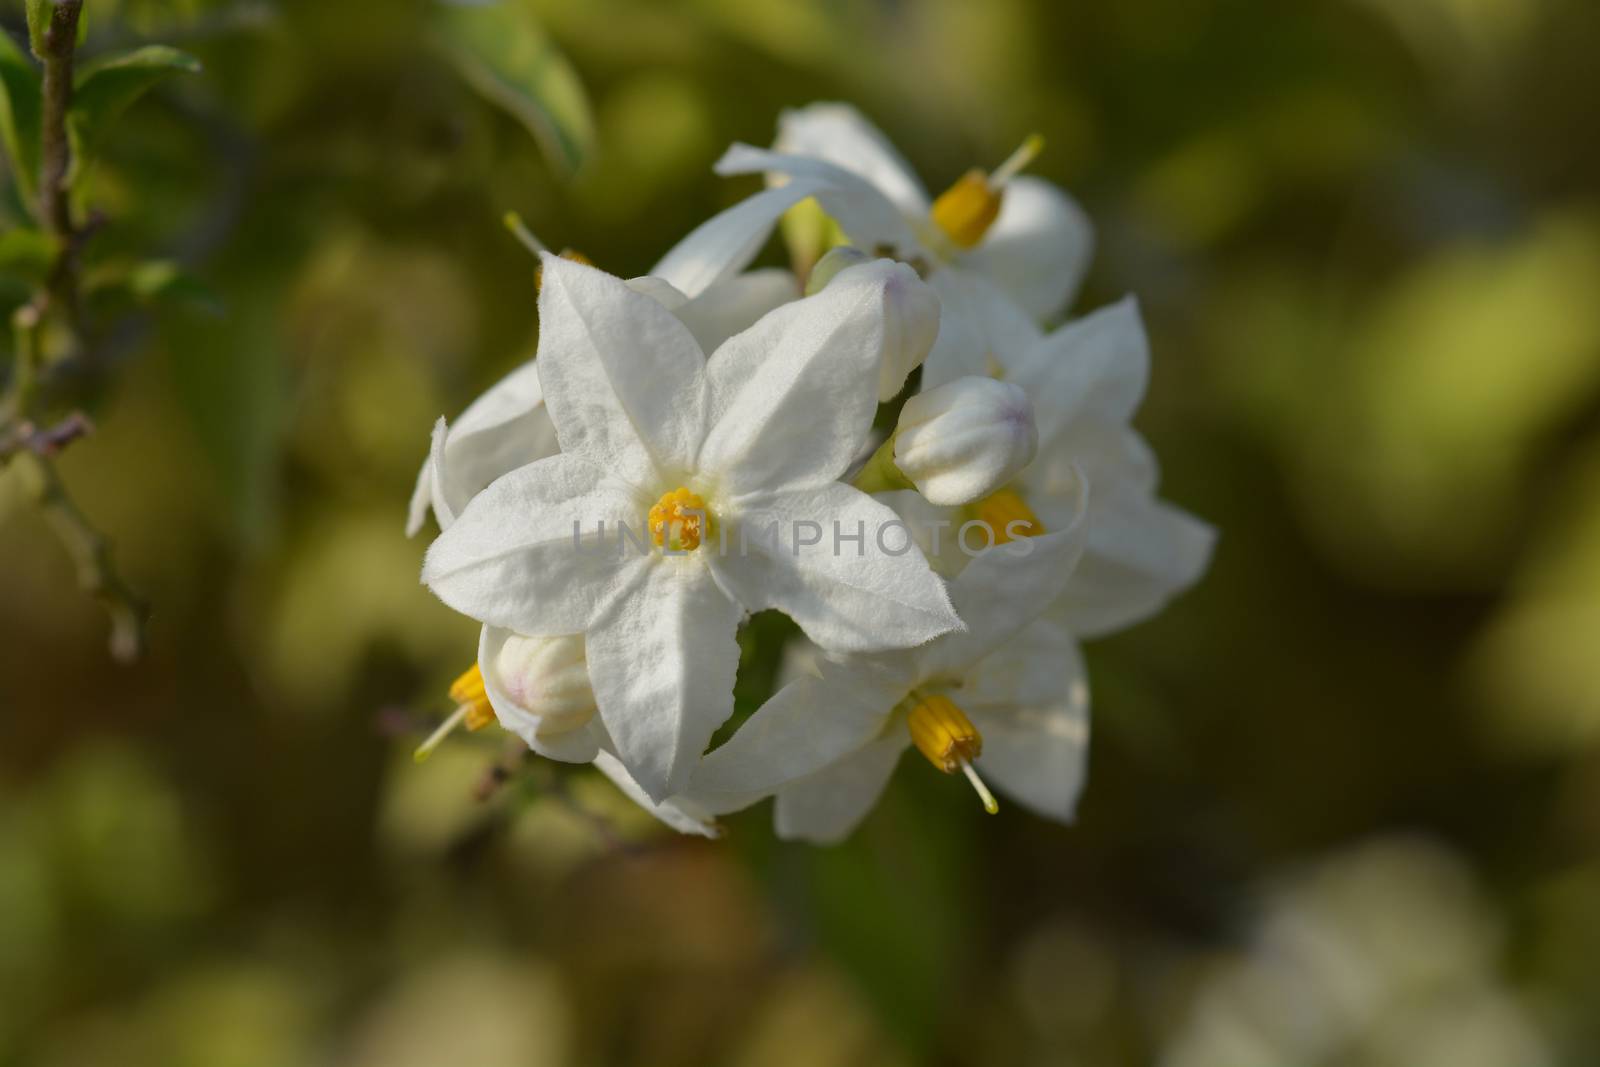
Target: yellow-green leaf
x=502, y=52
x=19, y=116
x=106, y=87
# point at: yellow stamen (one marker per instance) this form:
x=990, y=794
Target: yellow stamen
x=1001, y=509
x=679, y=520
x=473, y=711
x=943, y=733
x=967, y=209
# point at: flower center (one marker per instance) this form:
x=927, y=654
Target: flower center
x=966, y=210
x=1007, y=515
x=679, y=520
x=473, y=711
x=943, y=733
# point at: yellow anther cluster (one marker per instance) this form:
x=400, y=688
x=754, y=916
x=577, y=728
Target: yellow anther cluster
x=942, y=732
x=967, y=209
x=1003, y=507
x=679, y=520
x=468, y=693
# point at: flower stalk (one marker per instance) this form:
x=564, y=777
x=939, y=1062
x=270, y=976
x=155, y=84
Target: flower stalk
x=881, y=474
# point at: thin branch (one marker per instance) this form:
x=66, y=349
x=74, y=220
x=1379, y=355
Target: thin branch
x=59, y=298
x=60, y=42
x=502, y=770
x=91, y=552
x=55, y=165
x=47, y=442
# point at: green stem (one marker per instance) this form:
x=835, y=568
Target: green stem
x=25, y=371
x=60, y=41
x=89, y=549
x=880, y=475
x=91, y=553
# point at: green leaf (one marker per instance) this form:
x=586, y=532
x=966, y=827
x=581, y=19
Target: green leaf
x=106, y=87
x=159, y=280
x=149, y=282
x=19, y=117
x=503, y=53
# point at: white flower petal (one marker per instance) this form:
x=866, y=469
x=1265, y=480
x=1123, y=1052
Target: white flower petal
x=848, y=595
x=841, y=135
x=623, y=379
x=736, y=304
x=1098, y=365
x=806, y=726
x=980, y=328
x=502, y=430
x=1107, y=451
x=425, y=495
x=680, y=813
x=1030, y=701
x=662, y=663
x=825, y=808
x=660, y=290
x=792, y=397
x=724, y=244
x=1141, y=553
x=1004, y=588
x=509, y=559
x=936, y=529
x=1038, y=248
x=862, y=210
x=567, y=742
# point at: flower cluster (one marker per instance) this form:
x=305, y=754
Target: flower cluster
x=698, y=444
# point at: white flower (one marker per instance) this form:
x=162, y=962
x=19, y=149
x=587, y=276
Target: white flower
x=1005, y=702
x=963, y=440
x=682, y=450
x=508, y=426
x=1085, y=380
x=990, y=244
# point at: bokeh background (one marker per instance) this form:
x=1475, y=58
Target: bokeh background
x=1344, y=806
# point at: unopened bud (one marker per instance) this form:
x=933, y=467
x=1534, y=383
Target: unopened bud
x=547, y=677
x=965, y=439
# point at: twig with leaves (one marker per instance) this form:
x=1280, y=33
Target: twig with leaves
x=53, y=112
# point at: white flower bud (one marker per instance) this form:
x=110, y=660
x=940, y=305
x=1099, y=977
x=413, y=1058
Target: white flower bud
x=827, y=268
x=964, y=440
x=548, y=677
x=911, y=315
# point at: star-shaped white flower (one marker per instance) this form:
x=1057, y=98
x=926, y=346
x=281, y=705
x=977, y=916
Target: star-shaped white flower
x=1005, y=701
x=1086, y=380
x=508, y=426
x=990, y=243
x=683, y=450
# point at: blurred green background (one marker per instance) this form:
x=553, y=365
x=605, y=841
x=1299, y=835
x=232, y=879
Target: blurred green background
x=1344, y=805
